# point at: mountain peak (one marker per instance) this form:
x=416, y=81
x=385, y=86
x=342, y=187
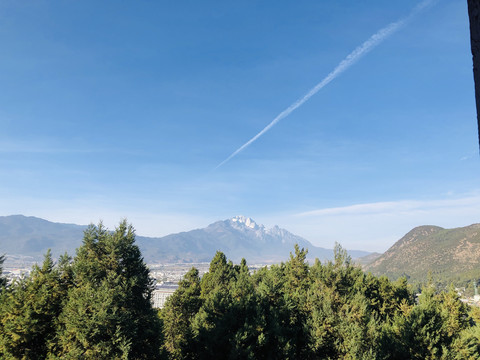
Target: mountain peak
x=246, y=221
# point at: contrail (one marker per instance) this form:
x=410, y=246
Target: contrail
x=351, y=58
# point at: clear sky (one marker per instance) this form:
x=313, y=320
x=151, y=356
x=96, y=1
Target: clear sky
x=114, y=109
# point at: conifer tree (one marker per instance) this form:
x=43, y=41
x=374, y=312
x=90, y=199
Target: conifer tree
x=423, y=332
x=29, y=313
x=178, y=314
x=467, y=344
x=295, y=289
x=296, y=271
x=324, y=311
x=273, y=314
x=218, y=315
x=109, y=314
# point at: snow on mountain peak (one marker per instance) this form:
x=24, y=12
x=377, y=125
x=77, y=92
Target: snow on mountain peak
x=277, y=231
x=275, y=235
x=246, y=221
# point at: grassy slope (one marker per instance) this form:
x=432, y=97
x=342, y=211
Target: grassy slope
x=451, y=255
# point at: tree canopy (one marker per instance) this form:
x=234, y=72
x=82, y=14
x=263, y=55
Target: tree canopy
x=98, y=306
x=329, y=310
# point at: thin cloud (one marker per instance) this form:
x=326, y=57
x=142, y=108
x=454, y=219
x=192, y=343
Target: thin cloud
x=376, y=226
x=346, y=63
x=389, y=207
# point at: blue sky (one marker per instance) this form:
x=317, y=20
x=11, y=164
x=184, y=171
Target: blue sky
x=124, y=109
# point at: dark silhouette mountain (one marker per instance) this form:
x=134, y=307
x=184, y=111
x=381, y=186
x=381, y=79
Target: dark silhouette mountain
x=451, y=255
x=239, y=237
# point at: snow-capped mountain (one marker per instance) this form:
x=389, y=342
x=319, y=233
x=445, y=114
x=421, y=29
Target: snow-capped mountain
x=238, y=237
x=274, y=235
x=242, y=222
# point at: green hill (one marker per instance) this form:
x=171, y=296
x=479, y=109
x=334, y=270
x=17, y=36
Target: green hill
x=450, y=255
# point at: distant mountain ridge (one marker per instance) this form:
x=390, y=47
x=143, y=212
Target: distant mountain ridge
x=238, y=237
x=452, y=255
x=32, y=236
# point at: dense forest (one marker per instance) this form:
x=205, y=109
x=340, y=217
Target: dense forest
x=97, y=305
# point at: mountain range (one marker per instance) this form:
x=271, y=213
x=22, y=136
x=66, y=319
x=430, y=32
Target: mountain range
x=450, y=255
x=238, y=237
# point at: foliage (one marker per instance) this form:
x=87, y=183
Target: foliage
x=178, y=314
x=324, y=311
x=108, y=313
x=97, y=306
x=30, y=309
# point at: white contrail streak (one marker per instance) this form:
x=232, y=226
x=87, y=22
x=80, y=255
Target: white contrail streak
x=355, y=55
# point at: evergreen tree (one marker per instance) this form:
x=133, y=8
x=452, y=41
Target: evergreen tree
x=178, y=314
x=219, y=275
x=108, y=314
x=466, y=345
x=220, y=323
x=244, y=341
x=296, y=283
x=327, y=311
x=29, y=313
x=424, y=332
x=323, y=322
x=98, y=307
x=296, y=272
x=273, y=314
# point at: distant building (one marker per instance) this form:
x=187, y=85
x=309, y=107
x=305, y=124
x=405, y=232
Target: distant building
x=161, y=293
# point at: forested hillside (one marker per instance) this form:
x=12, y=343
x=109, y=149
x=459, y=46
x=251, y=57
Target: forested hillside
x=449, y=255
x=97, y=306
